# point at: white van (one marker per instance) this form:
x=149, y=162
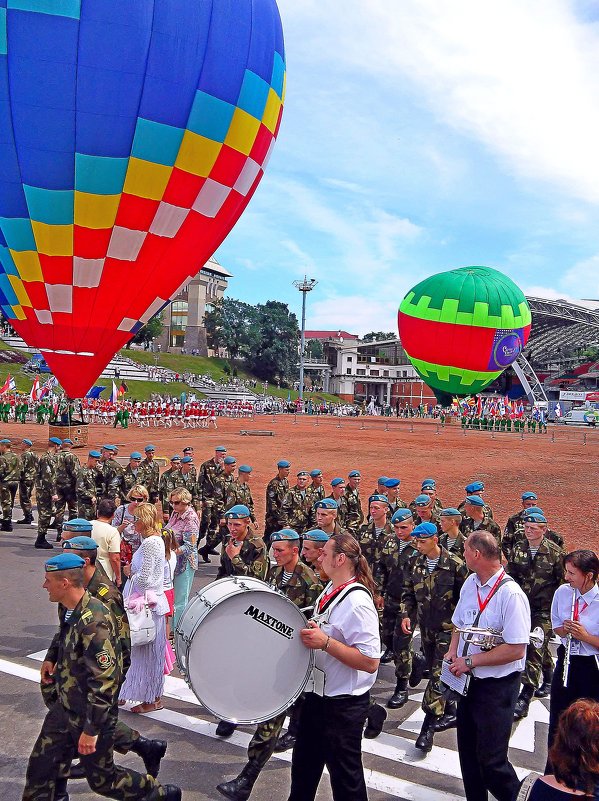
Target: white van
x=581, y=417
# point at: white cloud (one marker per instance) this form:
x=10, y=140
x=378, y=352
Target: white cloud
x=354, y=313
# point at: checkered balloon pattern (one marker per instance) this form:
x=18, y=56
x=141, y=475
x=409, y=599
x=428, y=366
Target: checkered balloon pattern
x=132, y=136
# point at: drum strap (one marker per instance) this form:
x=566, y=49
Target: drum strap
x=324, y=615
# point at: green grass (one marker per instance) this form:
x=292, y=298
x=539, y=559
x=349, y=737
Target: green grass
x=200, y=365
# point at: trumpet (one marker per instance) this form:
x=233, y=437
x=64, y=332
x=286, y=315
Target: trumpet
x=486, y=639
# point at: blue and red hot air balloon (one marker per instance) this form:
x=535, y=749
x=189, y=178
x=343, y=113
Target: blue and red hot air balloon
x=132, y=136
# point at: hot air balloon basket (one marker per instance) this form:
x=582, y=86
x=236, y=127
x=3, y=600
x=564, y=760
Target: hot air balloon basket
x=77, y=433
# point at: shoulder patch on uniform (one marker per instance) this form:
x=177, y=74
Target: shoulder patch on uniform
x=104, y=659
x=86, y=616
x=103, y=590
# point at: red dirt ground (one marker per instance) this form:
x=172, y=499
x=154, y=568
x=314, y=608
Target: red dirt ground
x=562, y=466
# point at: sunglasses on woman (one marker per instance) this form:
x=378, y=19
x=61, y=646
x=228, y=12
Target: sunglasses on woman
x=138, y=500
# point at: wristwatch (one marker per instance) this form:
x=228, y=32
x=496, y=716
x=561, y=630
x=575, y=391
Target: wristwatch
x=468, y=661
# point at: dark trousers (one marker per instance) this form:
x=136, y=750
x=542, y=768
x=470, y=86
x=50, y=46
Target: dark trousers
x=485, y=718
x=330, y=734
x=583, y=682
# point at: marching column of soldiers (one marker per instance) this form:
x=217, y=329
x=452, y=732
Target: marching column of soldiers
x=415, y=552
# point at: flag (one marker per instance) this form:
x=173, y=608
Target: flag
x=48, y=387
x=479, y=407
x=289, y=396
x=123, y=388
x=9, y=385
x=558, y=410
x=113, y=394
x=35, y=389
x=95, y=392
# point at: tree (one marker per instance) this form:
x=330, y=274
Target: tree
x=276, y=353
x=232, y=324
x=149, y=332
x=314, y=349
x=378, y=336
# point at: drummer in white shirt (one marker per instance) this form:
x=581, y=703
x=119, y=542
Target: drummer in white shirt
x=575, y=611
x=485, y=714
x=347, y=647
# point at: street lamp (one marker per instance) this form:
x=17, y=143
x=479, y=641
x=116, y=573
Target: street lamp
x=304, y=287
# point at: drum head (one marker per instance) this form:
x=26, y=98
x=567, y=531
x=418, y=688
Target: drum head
x=246, y=662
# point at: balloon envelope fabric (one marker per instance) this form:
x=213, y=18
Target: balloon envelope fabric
x=133, y=133
x=463, y=327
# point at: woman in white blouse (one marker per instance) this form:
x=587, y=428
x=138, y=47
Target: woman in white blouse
x=144, y=681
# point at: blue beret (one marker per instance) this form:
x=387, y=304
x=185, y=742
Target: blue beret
x=475, y=486
x=475, y=500
x=238, y=512
x=220, y=449
x=55, y=441
x=80, y=544
x=303, y=473
x=451, y=511
x=77, y=524
x=529, y=496
x=422, y=500
x=336, y=481
x=68, y=441
x=245, y=468
x=535, y=517
x=5, y=442
x=283, y=463
x=64, y=561
x=284, y=534
x=136, y=455
x=149, y=448
x=27, y=441
x=424, y=531
x=95, y=454
x=315, y=473
x=534, y=510
x=326, y=503
x=316, y=535
x=354, y=474
x=379, y=498
x=187, y=448
x=110, y=448
x=186, y=459
x=230, y=460
x=175, y=458
x=400, y=515
x=429, y=482
x=391, y=483
x=382, y=480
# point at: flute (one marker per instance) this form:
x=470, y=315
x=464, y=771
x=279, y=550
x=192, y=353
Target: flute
x=566, y=669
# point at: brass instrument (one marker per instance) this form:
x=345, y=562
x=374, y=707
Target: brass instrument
x=568, y=646
x=486, y=639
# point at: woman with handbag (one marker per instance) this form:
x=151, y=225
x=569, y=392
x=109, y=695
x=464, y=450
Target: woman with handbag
x=185, y=525
x=145, y=678
x=123, y=522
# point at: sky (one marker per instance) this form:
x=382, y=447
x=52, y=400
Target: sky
x=419, y=136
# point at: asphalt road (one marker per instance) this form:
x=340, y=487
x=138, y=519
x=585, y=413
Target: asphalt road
x=196, y=759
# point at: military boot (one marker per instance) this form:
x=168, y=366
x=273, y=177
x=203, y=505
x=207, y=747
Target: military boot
x=523, y=702
x=60, y=790
x=171, y=793
x=400, y=695
x=42, y=542
x=26, y=519
x=203, y=553
x=377, y=715
x=285, y=743
x=239, y=789
x=545, y=689
x=151, y=751
x=448, y=719
x=6, y=525
x=418, y=668
x=427, y=733
x=225, y=729
x=387, y=657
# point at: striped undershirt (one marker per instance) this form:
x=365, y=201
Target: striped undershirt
x=431, y=564
x=451, y=543
x=286, y=577
x=533, y=551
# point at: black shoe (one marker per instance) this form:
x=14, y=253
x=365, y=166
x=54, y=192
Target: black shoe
x=387, y=657
x=418, y=668
x=60, y=790
x=151, y=751
x=239, y=789
x=6, y=525
x=42, y=542
x=225, y=729
x=27, y=520
x=203, y=553
x=284, y=743
x=427, y=733
x=76, y=771
x=400, y=695
x=171, y=792
x=523, y=702
x=544, y=690
x=446, y=721
x=377, y=715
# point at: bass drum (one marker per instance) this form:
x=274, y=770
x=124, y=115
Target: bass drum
x=239, y=649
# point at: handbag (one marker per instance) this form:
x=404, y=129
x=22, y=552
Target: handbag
x=142, y=627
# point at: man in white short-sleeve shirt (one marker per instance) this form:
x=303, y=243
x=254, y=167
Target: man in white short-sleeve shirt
x=485, y=714
x=108, y=539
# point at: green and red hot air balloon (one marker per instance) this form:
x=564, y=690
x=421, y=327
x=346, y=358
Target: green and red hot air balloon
x=462, y=328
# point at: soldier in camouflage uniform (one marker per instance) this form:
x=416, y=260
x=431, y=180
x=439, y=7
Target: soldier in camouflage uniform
x=208, y=475
x=276, y=490
x=239, y=492
x=67, y=469
x=392, y=493
x=149, y=473
x=429, y=487
x=431, y=592
x=316, y=488
x=424, y=511
x=110, y=474
x=396, y=558
x=223, y=483
x=27, y=480
x=313, y=543
x=130, y=477
x=338, y=494
x=296, y=507
x=86, y=487
x=169, y=480
x=189, y=480
x=537, y=566
x=325, y=513
x=515, y=521
x=303, y=588
x=354, y=517
x=87, y=676
x=475, y=519
x=452, y=538
x=509, y=541
x=476, y=488
x=10, y=473
x=373, y=536
x=45, y=490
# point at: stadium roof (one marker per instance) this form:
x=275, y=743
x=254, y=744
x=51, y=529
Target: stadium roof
x=559, y=328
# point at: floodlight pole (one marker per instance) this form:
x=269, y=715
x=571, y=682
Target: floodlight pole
x=304, y=287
